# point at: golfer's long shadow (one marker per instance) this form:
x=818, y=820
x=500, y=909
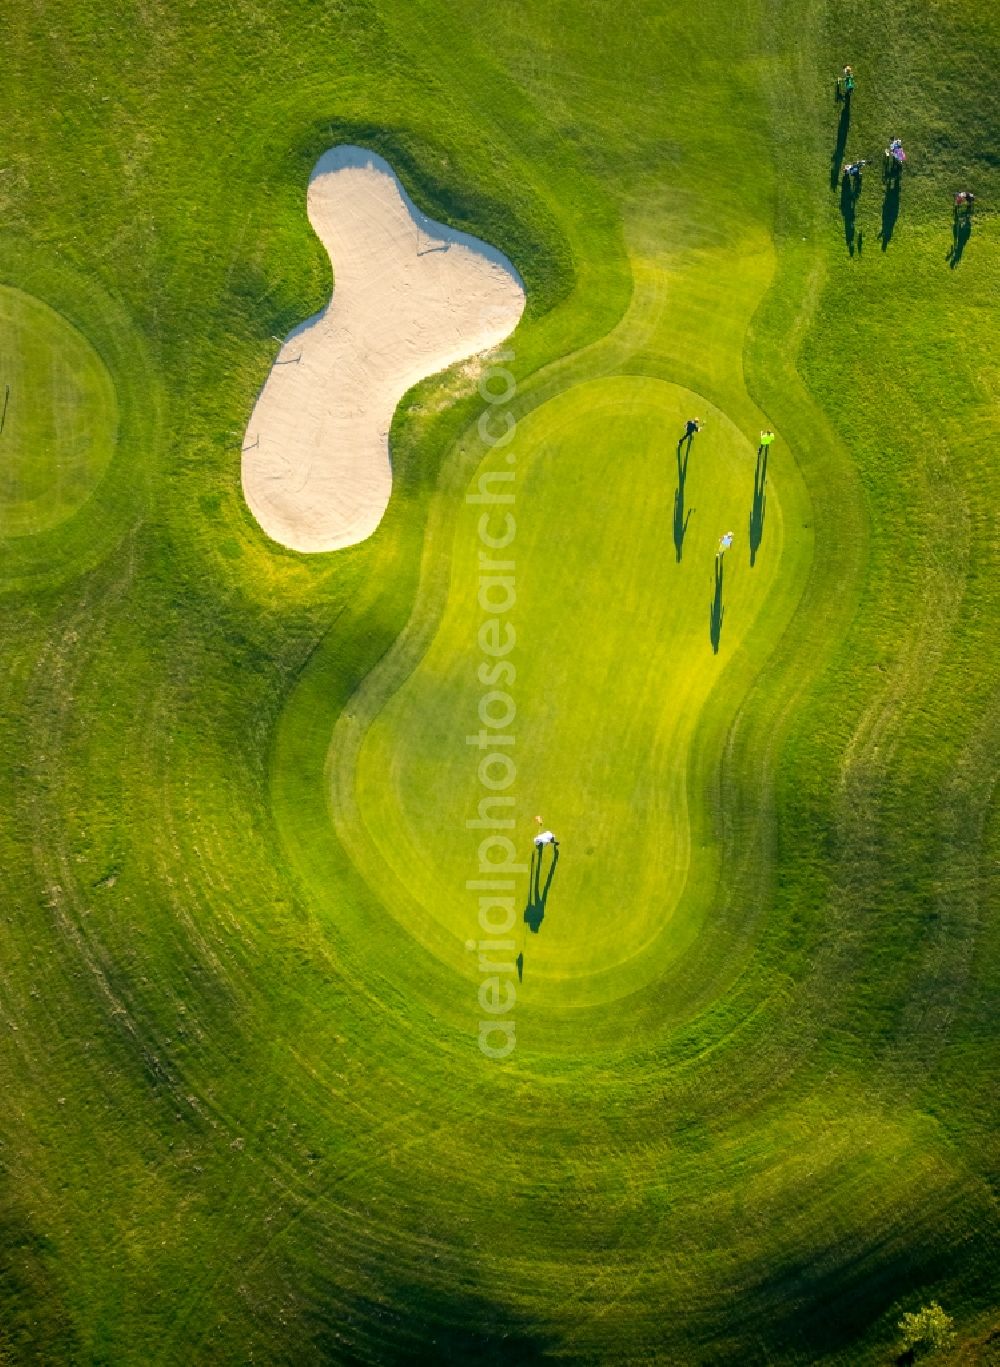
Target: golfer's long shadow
x=961, y=232
x=680, y=518
x=757, y=508
x=538, y=893
x=848, y=200
x=717, y=611
x=837, y=159
x=890, y=209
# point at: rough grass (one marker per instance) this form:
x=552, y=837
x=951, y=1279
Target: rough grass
x=245, y=1117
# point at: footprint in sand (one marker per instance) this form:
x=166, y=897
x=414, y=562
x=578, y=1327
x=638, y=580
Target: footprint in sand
x=410, y=298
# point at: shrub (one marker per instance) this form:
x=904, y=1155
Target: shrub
x=928, y=1330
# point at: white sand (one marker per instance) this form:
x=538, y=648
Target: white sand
x=410, y=298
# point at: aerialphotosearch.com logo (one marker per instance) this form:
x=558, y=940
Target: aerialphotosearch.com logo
x=494, y=739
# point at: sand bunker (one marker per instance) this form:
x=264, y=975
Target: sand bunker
x=410, y=297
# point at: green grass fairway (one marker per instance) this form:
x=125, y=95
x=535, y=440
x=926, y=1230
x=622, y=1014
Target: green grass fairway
x=61, y=422
x=748, y=1115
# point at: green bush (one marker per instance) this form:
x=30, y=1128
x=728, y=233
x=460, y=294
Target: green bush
x=928, y=1330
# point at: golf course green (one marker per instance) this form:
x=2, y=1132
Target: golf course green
x=603, y=731
x=63, y=423
x=308, y=1053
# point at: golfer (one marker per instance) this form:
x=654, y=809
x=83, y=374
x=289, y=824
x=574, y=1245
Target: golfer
x=724, y=543
x=546, y=838
x=765, y=440
x=692, y=426
x=895, y=158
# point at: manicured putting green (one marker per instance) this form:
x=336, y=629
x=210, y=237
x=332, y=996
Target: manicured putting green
x=61, y=421
x=615, y=658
